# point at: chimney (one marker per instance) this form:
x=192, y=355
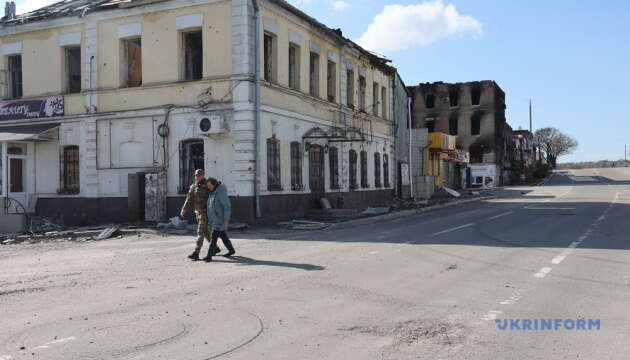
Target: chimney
x=9, y=10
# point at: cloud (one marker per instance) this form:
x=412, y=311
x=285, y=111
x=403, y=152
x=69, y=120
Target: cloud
x=400, y=27
x=340, y=5
x=30, y=5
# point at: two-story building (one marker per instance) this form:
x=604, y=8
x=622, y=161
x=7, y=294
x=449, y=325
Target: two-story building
x=111, y=105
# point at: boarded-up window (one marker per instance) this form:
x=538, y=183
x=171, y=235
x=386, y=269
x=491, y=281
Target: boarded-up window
x=70, y=170
x=73, y=69
x=269, y=58
x=314, y=74
x=274, y=181
x=362, y=86
x=294, y=67
x=353, y=169
x=333, y=158
x=193, y=55
x=296, y=166
x=350, y=88
x=133, y=57
x=386, y=170
x=364, y=169
x=375, y=102
x=15, y=76
x=377, y=170
x=331, y=82
x=191, y=158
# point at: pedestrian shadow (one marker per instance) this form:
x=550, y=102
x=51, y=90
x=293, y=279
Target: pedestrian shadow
x=246, y=261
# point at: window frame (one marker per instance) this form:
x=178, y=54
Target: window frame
x=68, y=73
x=376, y=104
x=333, y=163
x=126, y=79
x=294, y=66
x=70, y=170
x=270, y=57
x=353, y=162
x=297, y=165
x=377, y=170
x=186, y=163
x=362, y=93
x=16, y=81
x=274, y=169
x=313, y=84
x=350, y=88
x=331, y=81
x=386, y=183
x=188, y=73
x=364, y=170
x=384, y=101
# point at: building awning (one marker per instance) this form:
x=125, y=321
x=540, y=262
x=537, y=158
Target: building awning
x=37, y=132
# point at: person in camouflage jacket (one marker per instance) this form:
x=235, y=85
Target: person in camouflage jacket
x=197, y=198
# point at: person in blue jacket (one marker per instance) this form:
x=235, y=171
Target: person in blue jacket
x=219, y=212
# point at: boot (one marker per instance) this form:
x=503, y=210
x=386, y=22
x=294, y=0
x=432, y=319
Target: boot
x=216, y=250
x=213, y=250
x=228, y=245
x=194, y=256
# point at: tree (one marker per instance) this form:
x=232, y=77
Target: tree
x=554, y=144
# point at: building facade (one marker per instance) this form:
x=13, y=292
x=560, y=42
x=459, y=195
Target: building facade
x=472, y=111
x=274, y=104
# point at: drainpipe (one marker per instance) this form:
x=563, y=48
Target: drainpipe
x=258, y=141
x=409, y=130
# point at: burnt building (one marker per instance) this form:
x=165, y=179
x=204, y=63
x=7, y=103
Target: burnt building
x=472, y=111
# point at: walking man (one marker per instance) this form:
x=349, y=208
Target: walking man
x=198, y=198
x=219, y=211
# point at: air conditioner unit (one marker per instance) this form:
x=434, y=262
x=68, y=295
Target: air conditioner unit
x=211, y=125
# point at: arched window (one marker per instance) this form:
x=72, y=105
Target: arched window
x=377, y=170
x=364, y=172
x=70, y=170
x=386, y=170
x=353, y=169
x=333, y=159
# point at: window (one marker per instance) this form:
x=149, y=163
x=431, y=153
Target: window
x=133, y=62
x=384, y=100
x=353, y=169
x=314, y=74
x=15, y=76
x=296, y=166
x=350, y=88
x=331, y=82
x=375, y=102
x=333, y=158
x=453, y=97
x=193, y=55
x=475, y=123
x=294, y=67
x=429, y=101
x=362, y=86
x=191, y=154
x=274, y=181
x=70, y=168
x=377, y=170
x=73, y=70
x=452, y=124
x=386, y=170
x=269, y=61
x=475, y=95
x=429, y=123
x=364, y=172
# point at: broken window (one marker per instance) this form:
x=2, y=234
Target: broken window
x=73, y=69
x=364, y=170
x=314, y=74
x=193, y=55
x=350, y=88
x=429, y=123
x=452, y=124
x=475, y=123
x=377, y=170
x=429, y=101
x=362, y=86
x=333, y=158
x=70, y=170
x=191, y=154
x=331, y=82
x=269, y=60
x=453, y=97
x=475, y=95
x=133, y=62
x=294, y=67
x=15, y=76
x=353, y=169
x=386, y=170
x=375, y=102
x=274, y=182
x=296, y=166
x=384, y=100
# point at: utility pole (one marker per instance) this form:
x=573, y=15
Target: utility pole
x=530, y=116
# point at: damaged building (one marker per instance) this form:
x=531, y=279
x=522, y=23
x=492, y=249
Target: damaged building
x=108, y=107
x=475, y=113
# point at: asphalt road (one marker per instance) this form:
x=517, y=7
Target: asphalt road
x=434, y=286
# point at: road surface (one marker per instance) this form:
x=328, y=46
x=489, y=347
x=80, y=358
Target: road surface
x=433, y=286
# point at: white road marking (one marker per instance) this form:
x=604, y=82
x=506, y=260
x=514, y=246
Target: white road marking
x=492, y=315
x=373, y=252
x=543, y=272
x=452, y=229
x=501, y=215
x=58, y=341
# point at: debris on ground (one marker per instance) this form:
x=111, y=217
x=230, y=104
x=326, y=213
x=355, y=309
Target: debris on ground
x=109, y=232
x=308, y=225
x=237, y=226
x=452, y=192
x=174, y=223
x=376, y=211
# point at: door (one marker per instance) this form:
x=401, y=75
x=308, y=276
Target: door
x=316, y=168
x=17, y=185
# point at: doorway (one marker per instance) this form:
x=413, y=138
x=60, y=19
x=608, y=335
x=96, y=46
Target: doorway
x=316, y=168
x=17, y=184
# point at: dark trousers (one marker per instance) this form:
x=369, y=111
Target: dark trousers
x=224, y=237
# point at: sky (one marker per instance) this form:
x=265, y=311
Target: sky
x=570, y=57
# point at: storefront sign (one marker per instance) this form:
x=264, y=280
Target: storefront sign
x=456, y=155
x=31, y=108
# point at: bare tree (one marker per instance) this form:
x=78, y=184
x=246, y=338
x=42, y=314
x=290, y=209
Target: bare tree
x=554, y=144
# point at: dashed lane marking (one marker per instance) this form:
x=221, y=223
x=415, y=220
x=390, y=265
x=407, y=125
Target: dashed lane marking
x=452, y=229
x=501, y=215
x=543, y=272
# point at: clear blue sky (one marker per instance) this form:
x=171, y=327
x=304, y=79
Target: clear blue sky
x=572, y=57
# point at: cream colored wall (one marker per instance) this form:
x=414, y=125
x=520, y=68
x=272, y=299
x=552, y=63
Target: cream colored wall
x=42, y=60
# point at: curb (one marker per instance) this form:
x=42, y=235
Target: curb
x=406, y=213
